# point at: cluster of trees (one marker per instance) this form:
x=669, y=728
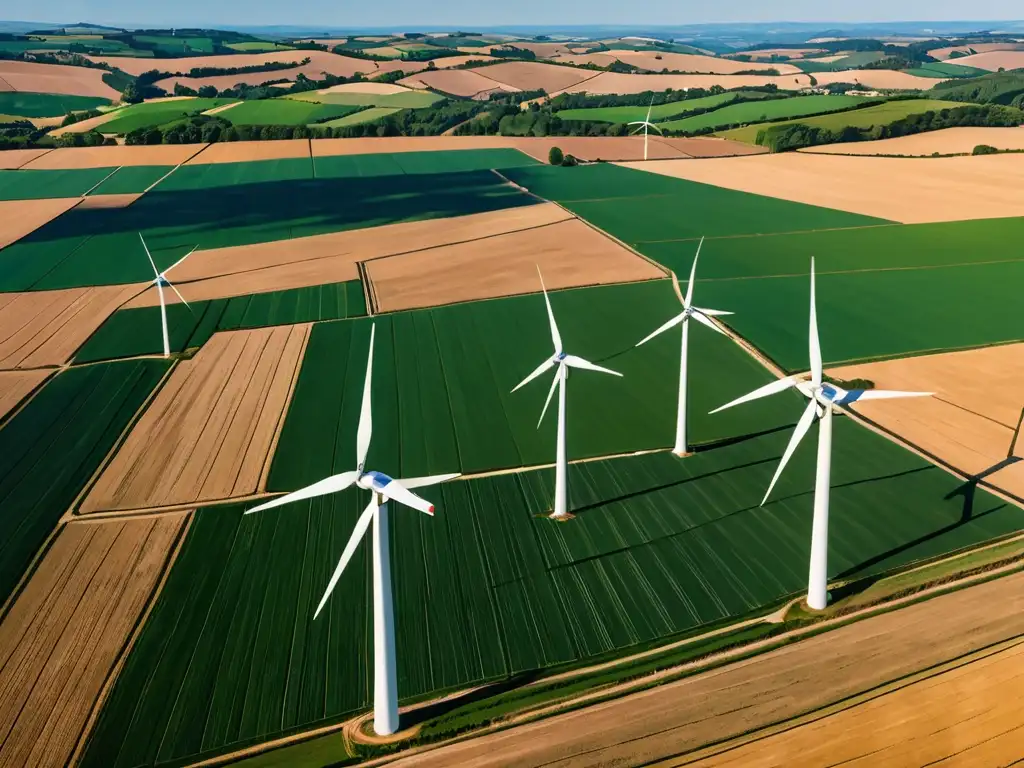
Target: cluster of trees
x=783, y=138
x=20, y=134
x=1006, y=88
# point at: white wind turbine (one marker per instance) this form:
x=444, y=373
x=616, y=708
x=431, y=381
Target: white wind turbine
x=383, y=488
x=645, y=124
x=563, y=362
x=701, y=316
x=161, y=281
x=823, y=398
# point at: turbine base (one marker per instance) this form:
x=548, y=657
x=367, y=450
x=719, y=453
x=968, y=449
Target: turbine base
x=682, y=454
x=563, y=518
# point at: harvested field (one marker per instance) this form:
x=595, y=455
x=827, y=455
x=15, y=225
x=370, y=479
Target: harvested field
x=970, y=423
x=119, y=200
x=946, y=189
x=332, y=258
x=44, y=328
x=614, y=82
x=531, y=75
x=209, y=432
x=570, y=253
x=248, y=151
x=66, y=632
x=677, y=718
x=89, y=124
x=974, y=48
x=447, y=62
x=767, y=53
x=111, y=157
x=882, y=79
x=458, y=82
x=380, y=145
x=56, y=78
x=16, y=385
x=368, y=86
x=948, y=141
x=12, y=159
x=993, y=61
x=20, y=217
x=679, y=62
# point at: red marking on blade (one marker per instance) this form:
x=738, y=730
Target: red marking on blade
x=431, y=510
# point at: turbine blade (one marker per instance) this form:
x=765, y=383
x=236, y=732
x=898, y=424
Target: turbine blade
x=798, y=434
x=331, y=484
x=814, y=344
x=700, y=318
x=693, y=273
x=649, y=108
x=578, y=362
x=879, y=394
x=636, y=122
x=398, y=492
x=173, y=288
x=655, y=127
x=180, y=260
x=677, y=289
x=148, y=256
x=670, y=324
x=634, y=133
x=365, y=429
x=554, y=383
x=357, y=534
x=537, y=372
x=768, y=389
x=423, y=482
x=556, y=337
x=712, y=312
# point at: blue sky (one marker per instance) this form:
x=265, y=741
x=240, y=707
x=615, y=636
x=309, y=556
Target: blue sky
x=347, y=13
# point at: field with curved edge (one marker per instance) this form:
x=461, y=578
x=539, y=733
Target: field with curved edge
x=658, y=112
x=766, y=110
x=46, y=104
x=152, y=114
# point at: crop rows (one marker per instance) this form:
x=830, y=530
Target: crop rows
x=147, y=115
x=51, y=448
x=130, y=332
x=443, y=379
x=486, y=588
x=132, y=179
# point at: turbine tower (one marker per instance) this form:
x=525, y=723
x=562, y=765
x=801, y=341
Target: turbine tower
x=701, y=316
x=161, y=282
x=383, y=489
x=563, y=362
x=823, y=398
x=645, y=124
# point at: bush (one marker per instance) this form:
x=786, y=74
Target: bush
x=555, y=156
x=984, y=149
x=569, y=161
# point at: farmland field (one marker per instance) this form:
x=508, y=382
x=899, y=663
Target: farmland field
x=403, y=99
x=36, y=185
x=131, y=332
x=450, y=371
x=360, y=117
x=52, y=447
x=648, y=556
x=880, y=114
x=45, y=104
x=658, y=112
x=151, y=114
x=131, y=179
x=284, y=112
x=765, y=110
x=258, y=46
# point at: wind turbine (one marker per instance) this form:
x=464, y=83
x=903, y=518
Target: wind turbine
x=645, y=124
x=563, y=362
x=701, y=316
x=383, y=488
x=823, y=397
x=161, y=281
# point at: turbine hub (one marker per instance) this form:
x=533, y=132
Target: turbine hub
x=560, y=357
x=373, y=481
x=162, y=282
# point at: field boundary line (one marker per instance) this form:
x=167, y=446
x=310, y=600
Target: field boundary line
x=98, y=183
x=20, y=406
x=131, y=638
x=157, y=511
x=369, y=294
x=921, y=353
x=197, y=153
x=261, y=484
x=921, y=267
x=660, y=267
x=24, y=166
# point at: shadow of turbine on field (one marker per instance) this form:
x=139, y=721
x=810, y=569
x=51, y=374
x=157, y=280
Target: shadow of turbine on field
x=434, y=710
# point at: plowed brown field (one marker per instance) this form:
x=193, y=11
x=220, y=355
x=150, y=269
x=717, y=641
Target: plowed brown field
x=66, y=631
x=15, y=385
x=245, y=151
x=333, y=257
x=56, y=78
x=43, y=328
x=20, y=217
x=15, y=158
x=570, y=253
x=940, y=189
x=656, y=61
x=531, y=75
x=458, y=82
x=948, y=141
x=682, y=716
x=970, y=422
x=208, y=433
x=615, y=82
x=110, y=201
x=110, y=157
x=883, y=79
x=993, y=60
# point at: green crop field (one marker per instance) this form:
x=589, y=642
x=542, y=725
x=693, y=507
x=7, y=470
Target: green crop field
x=762, y=111
x=483, y=590
x=46, y=104
x=59, y=43
x=130, y=332
x=639, y=207
x=405, y=100
x=853, y=61
x=219, y=205
x=360, y=117
x=259, y=46
x=658, y=112
x=51, y=448
x=151, y=114
x=132, y=179
x=880, y=114
x=450, y=370
x=178, y=45
x=283, y=112
x=36, y=185
x=944, y=69
x=421, y=163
